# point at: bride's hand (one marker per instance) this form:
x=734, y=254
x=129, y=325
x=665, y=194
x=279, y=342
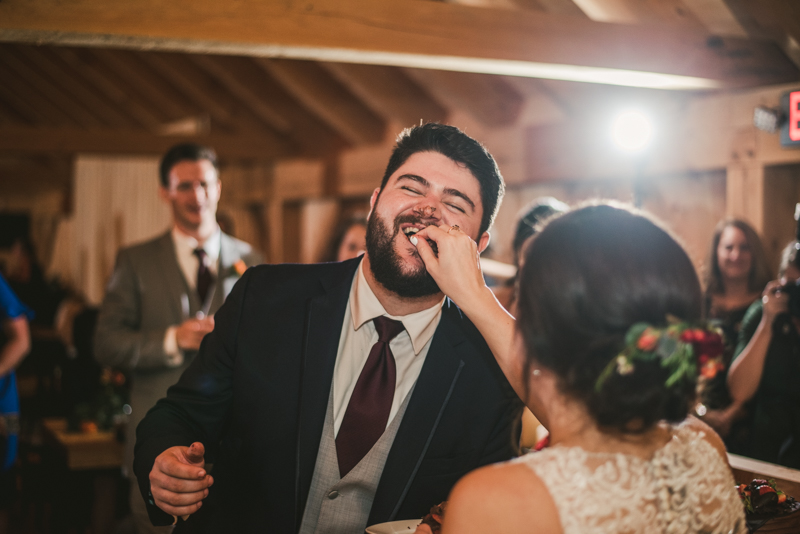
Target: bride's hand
x=457, y=268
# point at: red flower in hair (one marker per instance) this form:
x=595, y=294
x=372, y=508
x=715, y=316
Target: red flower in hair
x=647, y=341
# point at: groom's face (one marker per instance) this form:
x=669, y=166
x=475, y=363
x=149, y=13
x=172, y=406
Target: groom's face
x=429, y=188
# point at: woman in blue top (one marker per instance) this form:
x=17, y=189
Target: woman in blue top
x=15, y=341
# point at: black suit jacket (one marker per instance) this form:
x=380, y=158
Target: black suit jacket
x=257, y=393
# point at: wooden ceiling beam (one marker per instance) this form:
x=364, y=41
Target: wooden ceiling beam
x=778, y=20
x=326, y=98
x=263, y=95
x=717, y=17
x=488, y=99
x=409, y=33
x=122, y=97
x=671, y=12
x=72, y=140
x=388, y=92
x=62, y=76
x=52, y=97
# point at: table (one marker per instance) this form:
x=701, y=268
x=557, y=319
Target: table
x=100, y=450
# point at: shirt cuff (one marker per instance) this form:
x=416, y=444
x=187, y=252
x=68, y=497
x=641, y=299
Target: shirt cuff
x=174, y=354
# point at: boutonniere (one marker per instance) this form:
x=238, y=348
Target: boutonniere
x=237, y=269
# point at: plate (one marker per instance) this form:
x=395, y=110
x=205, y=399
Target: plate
x=395, y=527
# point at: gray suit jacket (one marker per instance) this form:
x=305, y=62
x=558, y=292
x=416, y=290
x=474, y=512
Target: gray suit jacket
x=147, y=293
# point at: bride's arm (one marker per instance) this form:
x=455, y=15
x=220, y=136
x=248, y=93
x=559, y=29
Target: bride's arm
x=457, y=271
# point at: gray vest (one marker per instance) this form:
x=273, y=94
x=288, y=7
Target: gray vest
x=341, y=505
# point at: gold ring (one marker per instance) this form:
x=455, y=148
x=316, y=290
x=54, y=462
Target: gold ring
x=454, y=227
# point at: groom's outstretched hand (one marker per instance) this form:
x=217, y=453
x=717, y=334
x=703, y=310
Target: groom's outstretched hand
x=179, y=481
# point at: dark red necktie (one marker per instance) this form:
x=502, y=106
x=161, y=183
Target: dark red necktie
x=368, y=411
x=204, y=276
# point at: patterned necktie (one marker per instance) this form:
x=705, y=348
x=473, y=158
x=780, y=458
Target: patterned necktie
x=204, y=276
x=367, y=413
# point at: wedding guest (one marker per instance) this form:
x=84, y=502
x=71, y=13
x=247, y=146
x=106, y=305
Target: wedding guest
x=163, y=293
x=766, y=366
x=15, y=342
x=349, y=239
x=528, y=222
x=333, y=396
x=736, y=273
x=605, y=350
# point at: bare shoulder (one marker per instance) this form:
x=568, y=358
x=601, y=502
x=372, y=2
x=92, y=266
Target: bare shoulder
x=505, y=497
x=693, y=423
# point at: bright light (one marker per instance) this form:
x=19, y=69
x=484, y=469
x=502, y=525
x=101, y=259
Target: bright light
x=632, y=131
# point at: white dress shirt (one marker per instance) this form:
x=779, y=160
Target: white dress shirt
x=410, y=347
x=189, y=262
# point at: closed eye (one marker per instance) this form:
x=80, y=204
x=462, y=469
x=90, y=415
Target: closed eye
x=457, y=208
x=411, y=190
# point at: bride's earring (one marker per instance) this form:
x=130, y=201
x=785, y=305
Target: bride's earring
x=536, y=372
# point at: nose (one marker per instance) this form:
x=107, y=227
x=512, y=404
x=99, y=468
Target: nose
x=200, y=192
x=428, y=209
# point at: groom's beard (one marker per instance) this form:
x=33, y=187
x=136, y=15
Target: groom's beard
x=387, y=265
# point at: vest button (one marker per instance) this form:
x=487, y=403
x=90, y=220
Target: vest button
x=333, y=494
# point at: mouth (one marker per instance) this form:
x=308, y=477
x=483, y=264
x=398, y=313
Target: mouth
x=410, y=230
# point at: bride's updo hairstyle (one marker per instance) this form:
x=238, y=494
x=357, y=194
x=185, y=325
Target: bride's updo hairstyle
x=588, y=277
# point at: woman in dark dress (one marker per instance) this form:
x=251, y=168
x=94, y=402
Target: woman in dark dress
x=737, y=273
x=766, y=368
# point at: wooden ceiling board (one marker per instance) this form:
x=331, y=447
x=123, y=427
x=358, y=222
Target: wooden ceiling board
x=489, y=99
x=30, y=114
x=142, y=83
x=50, y=95
x=273, y=104
x=29, y=99
x=74, y=85
x=327, y=99
x=120, y=96
x=388, y=92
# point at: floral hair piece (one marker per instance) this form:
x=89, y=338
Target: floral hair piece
x=680, y=347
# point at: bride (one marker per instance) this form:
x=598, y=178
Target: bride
x=606, y=353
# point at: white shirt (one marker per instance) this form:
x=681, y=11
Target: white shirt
x=409, y=347
x=189, y=262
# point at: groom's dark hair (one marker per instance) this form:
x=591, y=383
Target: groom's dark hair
x=459, y=147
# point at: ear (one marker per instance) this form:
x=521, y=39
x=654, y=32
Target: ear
x=483, y=242
x=372, y=200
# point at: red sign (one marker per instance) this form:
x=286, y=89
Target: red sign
x=794, y=116
x=790, y=131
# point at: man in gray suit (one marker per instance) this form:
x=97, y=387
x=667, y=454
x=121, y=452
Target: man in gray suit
x=161, y=298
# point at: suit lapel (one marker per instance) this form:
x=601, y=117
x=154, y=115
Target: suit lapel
x=180, y=295
x=323, y=328
x=429, y=399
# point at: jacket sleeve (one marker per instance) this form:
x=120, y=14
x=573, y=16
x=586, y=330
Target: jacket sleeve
x=503, y=443
x=119, y=339
x=197, y=407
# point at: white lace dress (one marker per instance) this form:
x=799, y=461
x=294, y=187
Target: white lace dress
x=686, y=487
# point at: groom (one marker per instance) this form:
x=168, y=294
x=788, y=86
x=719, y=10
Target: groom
x=334, y=396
